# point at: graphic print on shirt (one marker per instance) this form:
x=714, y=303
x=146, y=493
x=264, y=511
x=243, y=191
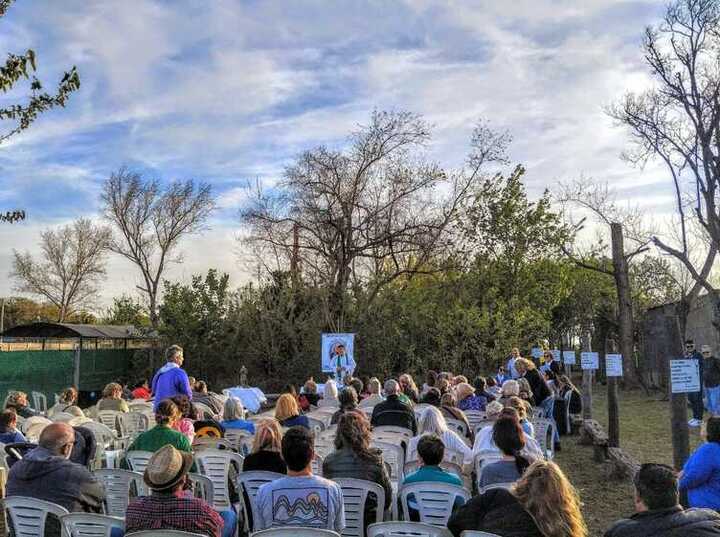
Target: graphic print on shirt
x=300, y=507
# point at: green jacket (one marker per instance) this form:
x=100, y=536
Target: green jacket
x=157, y=437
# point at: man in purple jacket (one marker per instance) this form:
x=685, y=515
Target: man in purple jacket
x=170, y=380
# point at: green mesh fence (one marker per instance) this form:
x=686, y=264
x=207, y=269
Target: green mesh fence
x=51, y=371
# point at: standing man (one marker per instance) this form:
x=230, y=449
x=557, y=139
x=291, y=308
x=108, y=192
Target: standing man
x=170, y=380
x=342, y=362
x=711, y=380
x=695, y=398
x=510, y=369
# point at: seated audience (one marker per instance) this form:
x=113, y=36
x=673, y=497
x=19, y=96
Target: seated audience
x=185, y=424
x=431, y=397
x=18, y=402
x=374, y=396
x=265, y=453
x=431, y=452
x=542, y=394
x=309, y=396
x=318, y=499
x=467, y=399
x=330, y=393
x=67, y=402
x=525, y=391
x=234, y=416
x=287, y=412
x=166, y=415
x=564, y=386
x=523, y=408
x=449, y=409
x=9, y=433
x=492, y=387
x=201, y=394
x=358, y=385
x=700, y=476
x=430, y=381
x=542, y=503
x=508, y=436
x=112, y=399
x=408, y=388
x=484, y=438
x=481, y=389
x=393, y=411
x=432, y=422
x=170, y=506
x=658, y=512
x=353, y=457
x=348, y=400
x=142, y=390
x=46, y=473
x=510, y=388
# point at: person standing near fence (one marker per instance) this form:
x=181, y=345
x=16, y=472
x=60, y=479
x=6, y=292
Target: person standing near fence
x=711, y=380
x=695, y=398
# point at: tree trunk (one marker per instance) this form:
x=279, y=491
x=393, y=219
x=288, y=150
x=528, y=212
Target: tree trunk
x=679, y=402
x=624, y=298
x=587, y=382
x=613, y=409
x=154, y=317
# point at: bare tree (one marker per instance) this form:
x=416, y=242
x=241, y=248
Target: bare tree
x=149, y=222
x=678, y=121
x=70, y=268
x=369, y=214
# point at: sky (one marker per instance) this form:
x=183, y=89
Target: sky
x=230, y=91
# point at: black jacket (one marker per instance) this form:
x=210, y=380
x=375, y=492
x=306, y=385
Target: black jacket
x=497, y=511
x=45, y=476
x=265, y=461
x=537, y=385
x=392, y=411
x=711, y=372
x=346, y=463
x=673, y=522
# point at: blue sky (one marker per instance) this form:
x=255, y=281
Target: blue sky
x=229, y=91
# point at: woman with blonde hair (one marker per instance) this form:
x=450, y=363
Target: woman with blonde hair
x=266, y=447
x=510, y=388
x=330, y=394
x=287, y=412
x=467, y=399
x=432, y=422
x=408, y=388
x=542, y=503
x=112, y=399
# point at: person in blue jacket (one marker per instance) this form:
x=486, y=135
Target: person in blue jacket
x=170, y=380
x=701, y=474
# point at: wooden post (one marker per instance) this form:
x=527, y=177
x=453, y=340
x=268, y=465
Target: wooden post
x=678, y=402
x=624, y=297
x=613, y=410
x=76, y=366
x=587, y=382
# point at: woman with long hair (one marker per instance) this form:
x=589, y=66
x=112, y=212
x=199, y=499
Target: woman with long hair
x=408, y=387
x=67, y=402
x=287, y=412
x=510, y=439
x=433, y=422
x=185, y=424
x=353, y=457
x=265, y=452
x=348, y=400
x=542, y=503
x=449, y=409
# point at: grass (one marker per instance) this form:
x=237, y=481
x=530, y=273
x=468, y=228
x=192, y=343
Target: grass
x=644, y=434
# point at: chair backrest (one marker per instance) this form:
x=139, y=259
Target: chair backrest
x=207, y=442
x=215, y=464
x=483, y=458
x=474, y=417
x=316, y=425
x=482, y=424
x=538, y=412
x=163, y=533
x=458, y=426
x=28, y=515
x=393, y=455
x=355, y=495
x=109, y=418
x=456, y=469
x=475, y=533
x=202, y=487
x=235, y=437
x=91, y=524
x=206, y=410
x=138, y=460
x=131, y=423
x=317, y=464
x=249, y=483
x=40, y=402
x=406, y=529
x=295, y=531
x=104, y=435
x=118, y=486
x=506, y=486
x=328, y=403
x=544, y=434
x=434, y=500
x=382, y=430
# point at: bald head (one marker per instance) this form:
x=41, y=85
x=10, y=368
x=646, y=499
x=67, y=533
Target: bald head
x=391, y=387
x=58, y=438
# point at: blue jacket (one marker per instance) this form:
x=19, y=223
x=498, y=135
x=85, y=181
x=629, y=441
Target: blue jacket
x=170, y=381
x=701, y=476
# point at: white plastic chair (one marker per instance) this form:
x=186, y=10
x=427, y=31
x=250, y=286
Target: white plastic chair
x=381, y=430
x=236, y=436
x=474, y=417
x=317, y=464
x=316, y=425
x=475, y=533
x=295, y=531
x=206, y=410
x=109, y=418
x=506, y=486
x=118, y=488
x=91, y=524
x=456, y=469
x=406, y=529
x=104, y=435
x=40, y=402
x=328, y=403
x=138, y=460
x=393, y=455
x=63, y=417
x=249, y=483
x=215, y=464
x=164, y=533
x=458, y=426
x=131, y=423
x=202, y=487
x=480, y=425
x=28, y=515
x=355, y=495
x=434, y=500
x=208, y=442
x=545, y=436
x=537, y=412
x=484, y=458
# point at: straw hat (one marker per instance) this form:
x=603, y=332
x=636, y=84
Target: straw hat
x=166, y=468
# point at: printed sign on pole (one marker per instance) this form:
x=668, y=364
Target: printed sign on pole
x=556, y=354
x=569, y=357
x=536, y=352
x=589, y=360
x=684, y=376
x=613, y=365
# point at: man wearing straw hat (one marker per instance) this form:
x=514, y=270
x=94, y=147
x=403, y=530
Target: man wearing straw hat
x=170, y=506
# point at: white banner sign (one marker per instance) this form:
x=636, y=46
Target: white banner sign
x=536, y=352
x=589, y=360
x=684, y=376
x=613, y=365
x=569, y=357
x=556, y=355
